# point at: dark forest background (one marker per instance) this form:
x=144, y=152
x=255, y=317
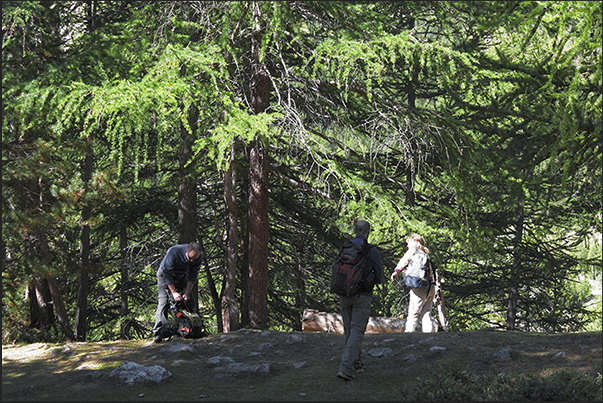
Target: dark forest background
x=264, y=129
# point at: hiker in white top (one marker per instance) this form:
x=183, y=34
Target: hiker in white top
x=421, y=299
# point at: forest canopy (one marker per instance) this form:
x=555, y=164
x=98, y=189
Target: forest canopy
x=263, y=130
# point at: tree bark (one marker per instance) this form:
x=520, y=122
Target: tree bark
x=187, y=194
x=231, y=310
x=212, y=289
x=258, y=186
x=411, y=171
x=55, y=292
x=258, y=238
x=82, y=292
x=59, y=306
x=187, y=206
x=40, y=304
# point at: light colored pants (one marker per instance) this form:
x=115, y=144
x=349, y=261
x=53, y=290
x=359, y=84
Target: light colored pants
x=355, y=312
x=419, y=308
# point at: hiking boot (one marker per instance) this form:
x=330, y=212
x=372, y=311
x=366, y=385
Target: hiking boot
x=359, y=366
x=157, y=339
x=345, y=377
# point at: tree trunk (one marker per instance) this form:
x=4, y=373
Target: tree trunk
x=258, y=190
x=212, y=289
x=515, y=269
x=187, y=195
x=55, y=292
x=124, y=311
x=43, y=291
x=187, y=207
x=59, y=306
x=243, y=260
x=411, y=171
x=82, y=292
x=258, y=237
x=40, y=304
x=231, y=310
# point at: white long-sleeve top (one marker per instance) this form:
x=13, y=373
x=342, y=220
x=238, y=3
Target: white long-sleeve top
x=405, y=259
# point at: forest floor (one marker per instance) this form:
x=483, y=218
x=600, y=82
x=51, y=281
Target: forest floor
x=477, y=365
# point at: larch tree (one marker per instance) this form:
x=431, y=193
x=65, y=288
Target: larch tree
x=266, y=128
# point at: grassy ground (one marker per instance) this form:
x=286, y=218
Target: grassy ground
x=303, y=367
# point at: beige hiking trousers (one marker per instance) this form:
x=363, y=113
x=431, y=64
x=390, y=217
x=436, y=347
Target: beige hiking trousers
x=419, y=309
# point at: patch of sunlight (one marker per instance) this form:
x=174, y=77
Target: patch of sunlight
x=26, y=353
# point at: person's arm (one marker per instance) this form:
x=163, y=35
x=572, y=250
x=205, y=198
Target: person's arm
x=401, y=264
x=377, y=265
x=177, y=296
x=189, y=288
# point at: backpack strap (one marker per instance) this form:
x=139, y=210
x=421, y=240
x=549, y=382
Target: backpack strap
x=433, y=274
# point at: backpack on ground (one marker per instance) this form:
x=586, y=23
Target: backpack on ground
x=348, y=271
x=188, y=323
x=418, y=273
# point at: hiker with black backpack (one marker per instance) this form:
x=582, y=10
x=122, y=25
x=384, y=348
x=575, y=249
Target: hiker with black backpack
x=419, y=276
x=355, y=293
x=176, y=277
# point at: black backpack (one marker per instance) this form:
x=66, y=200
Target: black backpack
x=188, y=324
x=348, y=271
x=418, y=273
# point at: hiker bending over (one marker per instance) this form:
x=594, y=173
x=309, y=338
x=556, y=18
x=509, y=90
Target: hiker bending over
x=176, y=277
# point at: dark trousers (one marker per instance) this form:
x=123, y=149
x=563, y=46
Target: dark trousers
x=355, y=312
x=165, y=302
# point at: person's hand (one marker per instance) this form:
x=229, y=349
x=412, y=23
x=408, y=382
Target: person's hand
x=185, y=297
x=393, y=276
x=177, y=296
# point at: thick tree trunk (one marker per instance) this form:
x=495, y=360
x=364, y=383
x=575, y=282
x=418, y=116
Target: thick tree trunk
x=40, y=304
x=187, y=207
x=258, y=186
x=258, y=237
x=187, y=195
x=231, y=309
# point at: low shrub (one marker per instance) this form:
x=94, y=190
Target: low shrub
x=564, y=385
